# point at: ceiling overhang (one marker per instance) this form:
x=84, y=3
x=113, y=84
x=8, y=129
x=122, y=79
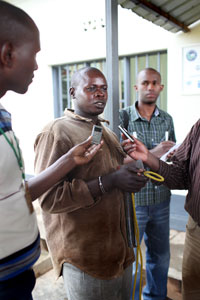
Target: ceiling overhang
x=172, y=15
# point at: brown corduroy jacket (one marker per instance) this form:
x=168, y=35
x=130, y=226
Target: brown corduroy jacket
x=89, y=234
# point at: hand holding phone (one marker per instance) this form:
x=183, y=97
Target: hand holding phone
x=126, y=133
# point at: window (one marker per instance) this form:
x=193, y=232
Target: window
x=129, y=66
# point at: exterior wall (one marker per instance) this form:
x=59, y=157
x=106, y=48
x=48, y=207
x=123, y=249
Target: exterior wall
x=183, y=107
x=63, y=40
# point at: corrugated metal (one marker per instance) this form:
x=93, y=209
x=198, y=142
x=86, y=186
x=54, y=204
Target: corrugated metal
x=181, y=13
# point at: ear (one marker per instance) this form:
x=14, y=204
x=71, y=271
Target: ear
x=136, y=87
x=6, y=54
x=161, y=87
x=72, y=92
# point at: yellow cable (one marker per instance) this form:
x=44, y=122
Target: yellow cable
x=153, y=175
x=156, y=177
x=138, y=249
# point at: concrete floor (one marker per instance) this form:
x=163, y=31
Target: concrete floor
x=47, y=288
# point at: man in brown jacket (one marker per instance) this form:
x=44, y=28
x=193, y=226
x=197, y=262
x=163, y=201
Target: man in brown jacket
x=84, y=215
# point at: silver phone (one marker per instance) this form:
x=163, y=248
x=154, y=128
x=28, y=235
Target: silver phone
x=96, y=134
x=126, y=133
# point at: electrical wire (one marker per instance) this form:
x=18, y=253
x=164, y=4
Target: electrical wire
x=159, y=178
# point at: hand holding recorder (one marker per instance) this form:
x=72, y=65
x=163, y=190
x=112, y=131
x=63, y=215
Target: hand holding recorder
x=126, y=133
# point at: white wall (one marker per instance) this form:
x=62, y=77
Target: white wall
x=64, y=40
x=183, y=107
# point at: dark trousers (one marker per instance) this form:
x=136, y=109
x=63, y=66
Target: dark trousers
x=19, y=287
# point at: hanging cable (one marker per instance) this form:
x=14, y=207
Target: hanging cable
x=159, y=178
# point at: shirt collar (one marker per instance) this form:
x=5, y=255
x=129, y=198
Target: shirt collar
x=75, y=116
x=136, y=114
x=5, y=119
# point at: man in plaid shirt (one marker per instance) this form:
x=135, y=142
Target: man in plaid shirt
x=155, y=128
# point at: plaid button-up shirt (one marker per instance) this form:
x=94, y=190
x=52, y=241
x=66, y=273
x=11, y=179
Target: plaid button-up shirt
x=150, y=133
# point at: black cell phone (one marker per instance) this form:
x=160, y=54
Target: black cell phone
x=96, y=134
x=126, y=133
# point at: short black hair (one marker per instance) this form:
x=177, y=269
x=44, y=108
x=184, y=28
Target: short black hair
x=148, y=69
x=15, y=24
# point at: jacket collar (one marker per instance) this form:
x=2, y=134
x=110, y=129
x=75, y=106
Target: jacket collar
x=69, y=111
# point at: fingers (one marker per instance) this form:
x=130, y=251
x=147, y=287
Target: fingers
x=125, y=142
x=85, y=146
x=128, y=146
x=134, y=167
x=87, y=143
x=134, y=172
x=92, y=150
x=84, y=152
x=166, y=145
x=138, y=182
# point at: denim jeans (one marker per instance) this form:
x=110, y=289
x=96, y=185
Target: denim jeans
x=81, y=286
x=19, y=287
x=153, y=222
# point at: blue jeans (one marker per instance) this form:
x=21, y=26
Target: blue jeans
x=19, y=287
x=153, y=222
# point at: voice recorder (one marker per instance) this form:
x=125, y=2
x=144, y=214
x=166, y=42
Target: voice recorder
x=96, y=134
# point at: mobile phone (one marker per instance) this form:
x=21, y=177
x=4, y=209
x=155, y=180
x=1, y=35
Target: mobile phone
x=126, y=133
x=96, y=134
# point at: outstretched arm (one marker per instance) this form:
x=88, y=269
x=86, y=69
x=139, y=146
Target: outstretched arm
x=78, y=155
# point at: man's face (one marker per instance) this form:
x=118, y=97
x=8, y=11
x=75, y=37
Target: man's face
x=148, y=87
x=24, y=64
x=91, y=94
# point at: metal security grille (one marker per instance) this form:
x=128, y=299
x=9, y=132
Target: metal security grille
x=129, y=66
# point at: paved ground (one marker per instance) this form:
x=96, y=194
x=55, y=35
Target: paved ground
x=178, y=215
x=48, y=289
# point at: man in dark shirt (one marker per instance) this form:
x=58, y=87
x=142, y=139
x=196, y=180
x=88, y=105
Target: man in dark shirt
x=183, y=173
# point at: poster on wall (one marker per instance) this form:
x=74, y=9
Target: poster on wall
x=191, y=69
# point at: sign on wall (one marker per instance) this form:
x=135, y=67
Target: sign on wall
x=191, y=69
